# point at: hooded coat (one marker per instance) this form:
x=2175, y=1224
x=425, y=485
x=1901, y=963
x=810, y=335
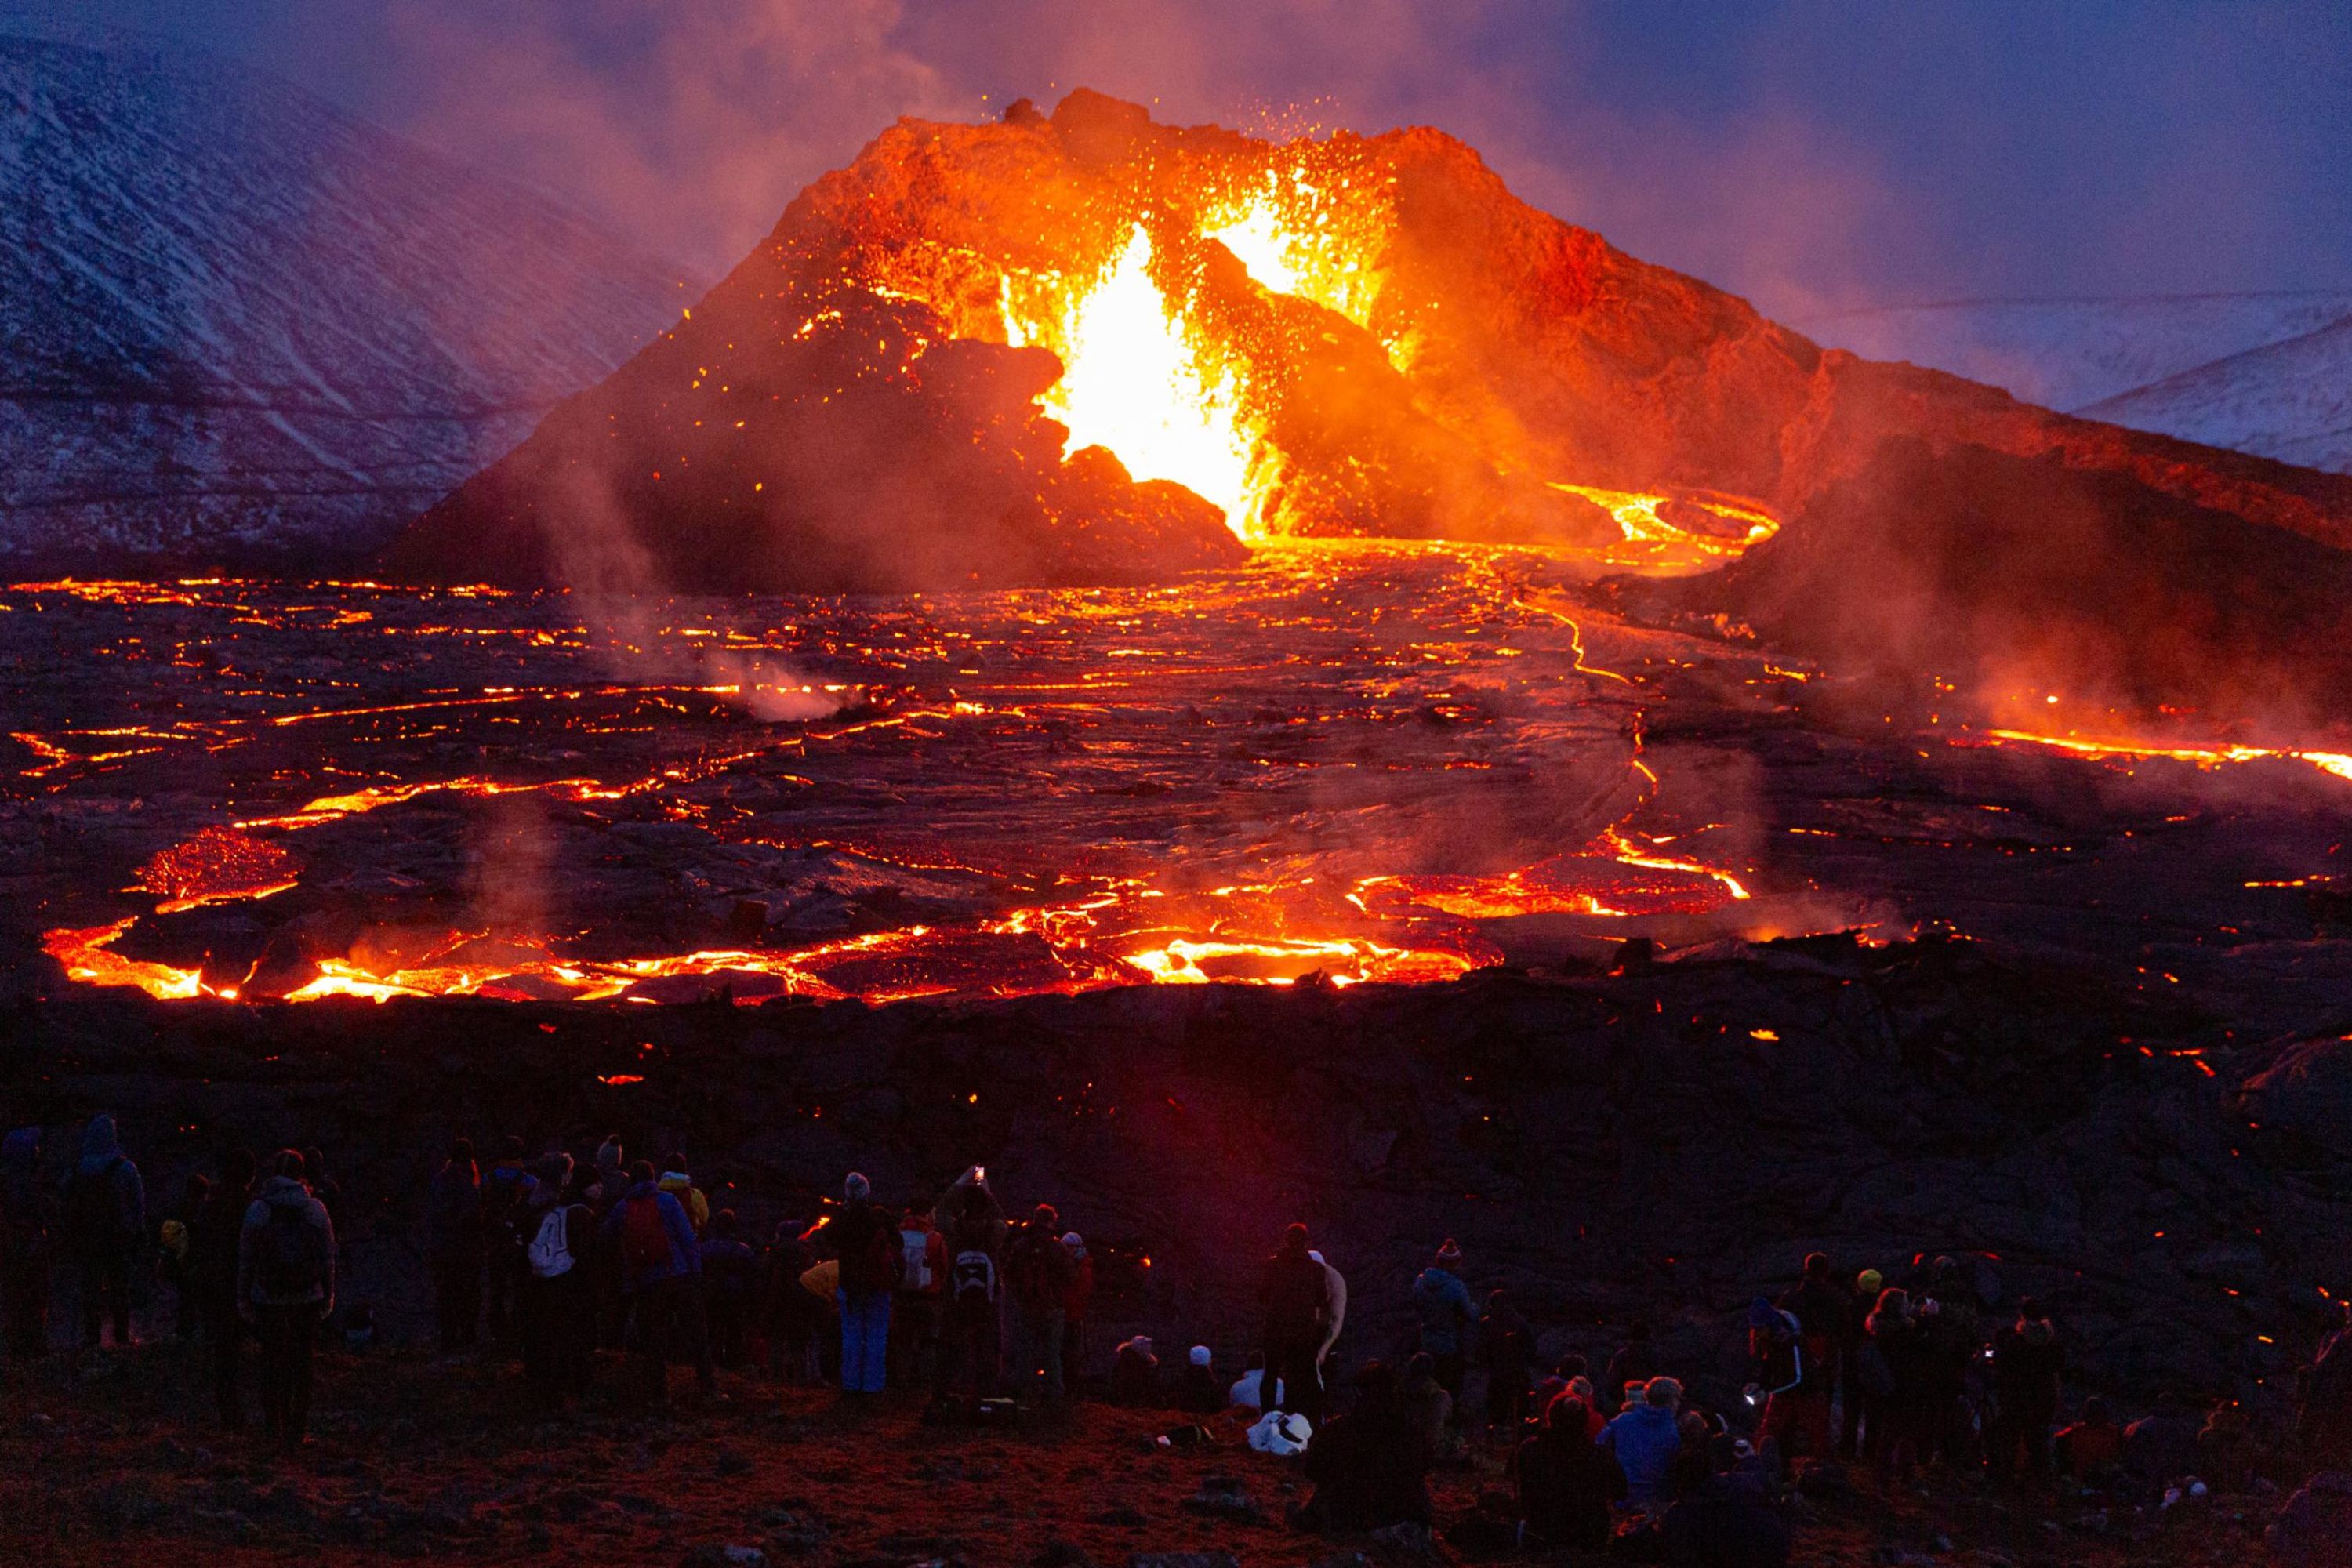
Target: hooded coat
x=286, y=1194
x=1645, y=1439
x=106, y=1202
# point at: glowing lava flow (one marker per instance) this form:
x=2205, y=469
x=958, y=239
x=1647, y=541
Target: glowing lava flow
x=2338, y=764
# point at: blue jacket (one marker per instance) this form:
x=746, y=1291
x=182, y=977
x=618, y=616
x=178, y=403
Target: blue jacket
x=1645, y=1439
x=1444, y=1303
x=684, y=1255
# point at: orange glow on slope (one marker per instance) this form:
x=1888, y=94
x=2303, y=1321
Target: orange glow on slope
x=2338, y=764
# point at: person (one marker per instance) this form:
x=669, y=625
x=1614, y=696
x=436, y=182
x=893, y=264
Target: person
x=105, y=1230
x=1077, y=1297
x=1823, y=1311
x=506, y=1193
x=1945, y=1305
x=969, y=1349
x=1506, y=1348
x=1249, y=1389
x=1775, y=1357
x=1722, y=1521
x=922, y=1287
x=555, y=1319
x=1555, y=1382
x=1336, y=1295
x=1426, y=1406
x=679, y=1183
x=865, y=1242
x=25, y=1221
x=2227, y=1460
x=1902, y=1418
x=1198, y=1389
x=1037, y=1269
x=1367, y=1472
x=1442, y=1303
x=1852, y=1399
x=453, y=1247
x=795, y=1321
x=2028, y=1361
x=1295, y=1296
x=2090, y=1452
x=1135, y=1374
x=1646, y=1436
x=1564, y=1482
x=285, y=1290
x=172, y=1246
x=611, y=1174
x=1635, y=1362
x=730, y=1276
x=660, y=1274
x=215, y=1239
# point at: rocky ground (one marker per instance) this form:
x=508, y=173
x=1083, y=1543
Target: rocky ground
x=102, y=1462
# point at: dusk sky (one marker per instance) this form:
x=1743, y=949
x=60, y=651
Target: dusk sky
x=1809, y=154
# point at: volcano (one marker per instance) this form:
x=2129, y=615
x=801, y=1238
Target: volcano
x=1050, y=350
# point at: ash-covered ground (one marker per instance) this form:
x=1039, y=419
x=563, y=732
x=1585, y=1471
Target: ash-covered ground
x=1909, y=988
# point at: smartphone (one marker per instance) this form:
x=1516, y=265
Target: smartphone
x=979, y=1173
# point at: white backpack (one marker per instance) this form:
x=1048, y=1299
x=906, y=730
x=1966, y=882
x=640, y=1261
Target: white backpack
x=550, y=1250
x=915, y=1247
x=1283, y=1432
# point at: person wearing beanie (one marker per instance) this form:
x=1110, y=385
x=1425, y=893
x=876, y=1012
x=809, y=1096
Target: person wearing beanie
x=1199, y=1392
x=864, y=1241
x=659, y=1266
x=1823, y=1310
x=1442, y=1302
x=1297, y=1297
x=1850, y=1397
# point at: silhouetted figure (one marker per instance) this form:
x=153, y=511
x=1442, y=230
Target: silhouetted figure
x=864, y=1241
x=1077, y=1299
x=214, y=1237
x=25, y=1223
x=2091, y=1451
x=1135, y=1374
x=1368, y=1471
x=661, y=1272
x=453, y=1247
x=172, y=1245
x=1564, y=1482
x=1506, y=1348
x=506, y=1193
x=1644, y=1437
x=1719, y=1523
x=968, y=1338
x=1199, y=1390
x=1635, y=1362
x=915, y=1325
x=1038, y=1273
x=795, y=1320
x=2028, y=1364
x=286, y=1287
x=105, y=1230
x=1442, y=1304
x=1297, y=1297
x=730, y=1278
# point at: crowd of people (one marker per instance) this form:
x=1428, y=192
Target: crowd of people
x=545, y=1260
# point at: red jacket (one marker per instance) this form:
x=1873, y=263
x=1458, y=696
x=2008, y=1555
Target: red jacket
x=1079, y=1290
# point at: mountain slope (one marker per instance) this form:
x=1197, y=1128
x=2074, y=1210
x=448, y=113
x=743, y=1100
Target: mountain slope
x=2097, y=357
x=238, y=326
x=2289, y=400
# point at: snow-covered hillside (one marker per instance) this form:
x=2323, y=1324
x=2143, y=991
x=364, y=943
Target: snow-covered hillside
x=2290, y=400
x=238, y=326
x=2266, y=374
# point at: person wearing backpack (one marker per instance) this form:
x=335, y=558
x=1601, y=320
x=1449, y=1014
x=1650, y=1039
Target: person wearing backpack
x=506, y=1202
x=105, y=1230
x=970, y=1338
x=865, y=1242
x=922, y=1287
x=1038, y=1270
x=555, y=1311
x=659, y=1268
x=25, y=1217
x=286, y=1288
